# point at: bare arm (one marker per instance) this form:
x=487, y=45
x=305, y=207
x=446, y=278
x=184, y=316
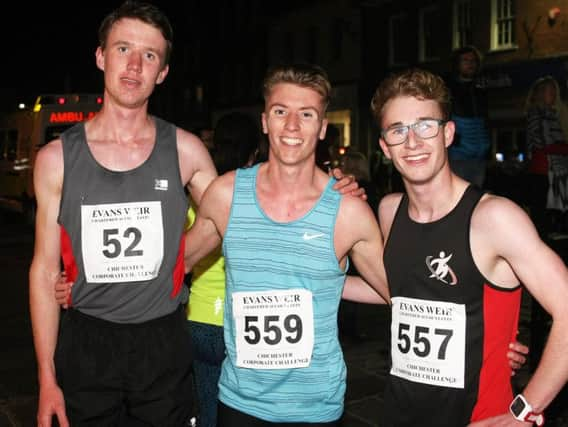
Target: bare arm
x=513, y=238
x=44, y=272
x=196, y=167
x=211, y=221
x=357, y=290
x=362, y=240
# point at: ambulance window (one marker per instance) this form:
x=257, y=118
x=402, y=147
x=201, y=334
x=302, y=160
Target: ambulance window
x=12, y=148
x=54, y=132
x=8, y=144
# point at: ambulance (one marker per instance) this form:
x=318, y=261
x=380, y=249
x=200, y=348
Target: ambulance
x=24, y=132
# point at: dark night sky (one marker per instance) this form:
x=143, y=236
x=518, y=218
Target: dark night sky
x=52, y=43
x=52, y=47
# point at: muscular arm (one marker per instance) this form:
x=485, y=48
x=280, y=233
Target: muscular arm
x=512, y=237
x=211, y=221
x=362, y=240
x=196, y=167
x=44, y=272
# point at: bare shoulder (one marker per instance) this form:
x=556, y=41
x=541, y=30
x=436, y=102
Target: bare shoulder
x=219, y=194
x=502, y=227
x=386, y=211
x=216, y=202
x=355, y=219
x=496, y=211
x=189, y=145
x=48, y=163
x=195, y=163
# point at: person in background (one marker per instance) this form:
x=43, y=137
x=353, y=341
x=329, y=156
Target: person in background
x=236, y=140
x=547, y=197
x=547, y=152
x=469, y=153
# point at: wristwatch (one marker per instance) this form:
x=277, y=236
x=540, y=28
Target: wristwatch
x=523, y=411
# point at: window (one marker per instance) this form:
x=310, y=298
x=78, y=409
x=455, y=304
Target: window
x=462, y=35
x=429, y=34
x=399, y=41
x=503, y=24
x=8, y=144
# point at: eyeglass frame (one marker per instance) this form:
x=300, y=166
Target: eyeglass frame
x=440, y=122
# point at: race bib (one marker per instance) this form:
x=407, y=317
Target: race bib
x=428, y=341
x=122, y=242
x=274, y=329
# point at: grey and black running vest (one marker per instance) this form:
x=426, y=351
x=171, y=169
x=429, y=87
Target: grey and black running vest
x=122, y=232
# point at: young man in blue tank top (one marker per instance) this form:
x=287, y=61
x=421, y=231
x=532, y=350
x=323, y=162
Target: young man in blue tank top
x=286, y=239
x=456, y=259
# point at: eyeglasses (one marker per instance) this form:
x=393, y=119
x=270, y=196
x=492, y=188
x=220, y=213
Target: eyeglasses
x=423, y=129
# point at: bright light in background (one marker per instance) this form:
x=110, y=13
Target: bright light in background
x=21, y=106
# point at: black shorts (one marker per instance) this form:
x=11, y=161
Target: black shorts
x=116, y=374
x=229, y=417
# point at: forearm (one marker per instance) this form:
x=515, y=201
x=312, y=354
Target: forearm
x=357, y=290
x=45, y=321
x=552, y=372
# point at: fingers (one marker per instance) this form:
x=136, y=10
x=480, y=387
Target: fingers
x=519, y=347
x=62, y=418
x=360, y=192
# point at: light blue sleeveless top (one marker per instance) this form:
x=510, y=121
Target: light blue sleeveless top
x=264, y=255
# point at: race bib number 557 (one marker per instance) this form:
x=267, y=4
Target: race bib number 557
x=428, y=341
x=122, y=242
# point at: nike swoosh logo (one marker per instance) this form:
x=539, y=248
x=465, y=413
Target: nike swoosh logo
x=307, y=236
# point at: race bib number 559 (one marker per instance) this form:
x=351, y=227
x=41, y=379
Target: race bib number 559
x=274, y=329
x=122, y=242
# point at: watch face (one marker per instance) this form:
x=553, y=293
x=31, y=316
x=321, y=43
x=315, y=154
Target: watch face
x=517, y=406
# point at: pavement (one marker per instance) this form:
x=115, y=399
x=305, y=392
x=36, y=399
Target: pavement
x=365, y=335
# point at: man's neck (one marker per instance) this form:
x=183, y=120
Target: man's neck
x=286, y=193
x=432, y=201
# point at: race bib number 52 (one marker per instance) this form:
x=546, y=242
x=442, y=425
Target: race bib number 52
x=428, y=341
x=274, y=329
x=122, y=242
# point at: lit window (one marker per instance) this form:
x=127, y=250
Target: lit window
x=503, y=34
x=462, y=24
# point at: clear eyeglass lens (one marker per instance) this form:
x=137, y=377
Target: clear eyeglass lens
x=423, y=129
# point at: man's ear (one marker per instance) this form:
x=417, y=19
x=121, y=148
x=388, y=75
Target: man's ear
x=385, y=148
x=323, y=129
x=100, y=58
x=162, y=74
x=264, y=124
x=449, y=133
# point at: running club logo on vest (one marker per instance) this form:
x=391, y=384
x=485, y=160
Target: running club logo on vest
x=440, y=269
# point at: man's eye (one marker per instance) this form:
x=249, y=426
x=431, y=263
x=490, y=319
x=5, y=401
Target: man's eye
x=308, y=115
x=150, y=56
x=278, y=112
x=122, y=49
x=425, y=125
x=398, y=131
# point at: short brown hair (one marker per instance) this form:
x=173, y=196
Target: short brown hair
x=145, y=12
x=305, y=75
x=415, y=82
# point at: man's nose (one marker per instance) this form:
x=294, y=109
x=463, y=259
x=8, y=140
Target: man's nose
x=292, y=122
